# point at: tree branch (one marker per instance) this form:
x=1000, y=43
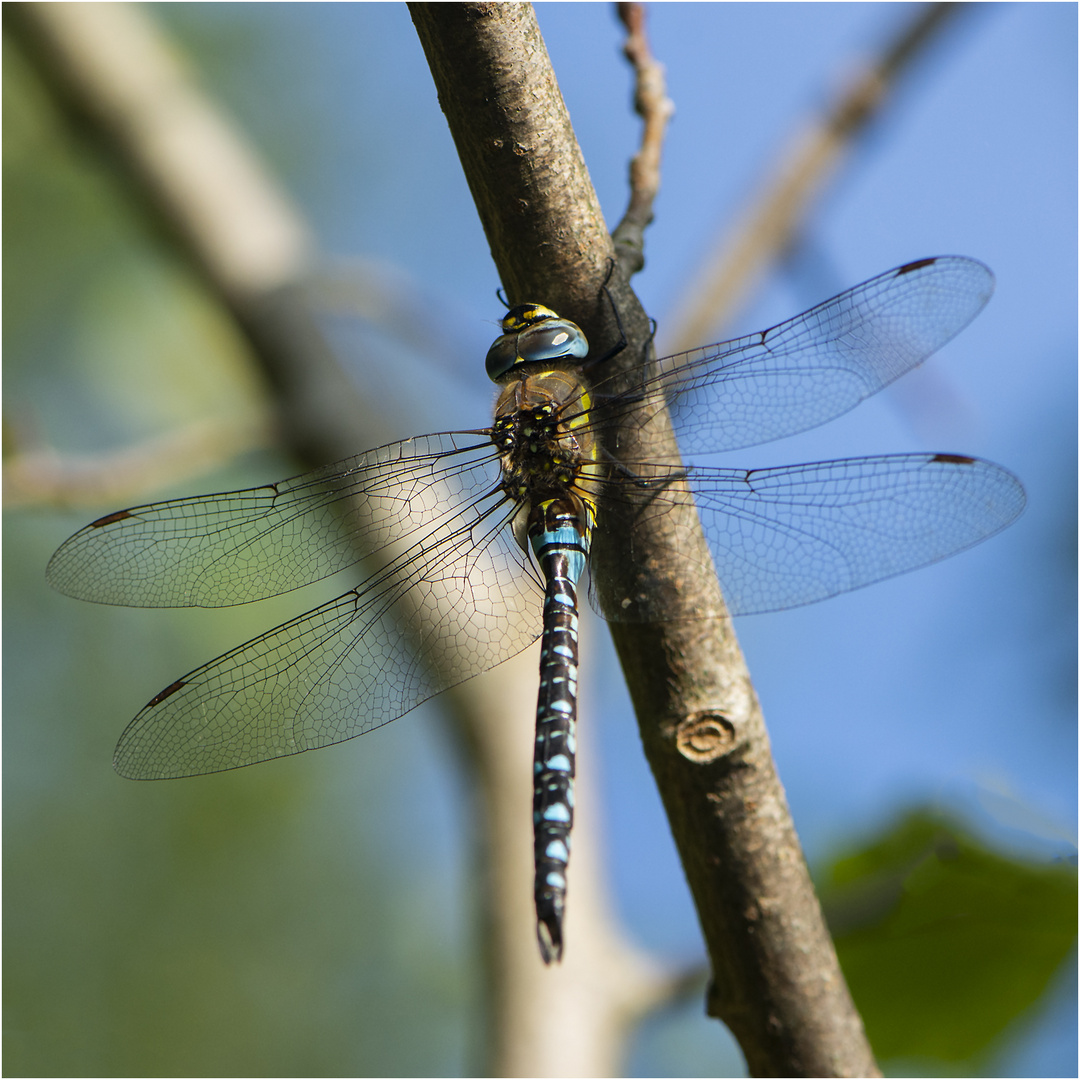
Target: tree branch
x=776, y=981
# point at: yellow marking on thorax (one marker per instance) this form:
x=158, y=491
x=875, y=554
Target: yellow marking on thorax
x=583, y=419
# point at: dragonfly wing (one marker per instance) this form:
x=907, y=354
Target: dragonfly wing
x=440, y=612
x=821, y=363
x=784, y=537
x=790, y=536
x=231, y=548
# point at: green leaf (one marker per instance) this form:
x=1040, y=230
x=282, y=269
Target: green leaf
x=943, y=941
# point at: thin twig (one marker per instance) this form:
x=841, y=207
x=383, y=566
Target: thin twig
x=656, y=109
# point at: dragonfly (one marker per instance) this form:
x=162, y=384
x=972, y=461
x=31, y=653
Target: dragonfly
x=474, y=542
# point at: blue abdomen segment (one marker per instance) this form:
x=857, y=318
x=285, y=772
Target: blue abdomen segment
x=560, y=540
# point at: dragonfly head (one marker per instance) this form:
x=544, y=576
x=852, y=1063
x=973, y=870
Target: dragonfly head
x=533, y=333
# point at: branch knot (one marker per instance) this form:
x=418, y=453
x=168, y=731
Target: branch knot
x=705, y=736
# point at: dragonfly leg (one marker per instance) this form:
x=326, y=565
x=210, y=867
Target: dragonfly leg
x=643, y=482
x=596, y=361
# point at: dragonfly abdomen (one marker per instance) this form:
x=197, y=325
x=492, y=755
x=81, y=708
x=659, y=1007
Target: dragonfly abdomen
x=559, y=535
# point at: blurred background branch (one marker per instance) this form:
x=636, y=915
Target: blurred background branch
x=41, y=475
x=793, y=187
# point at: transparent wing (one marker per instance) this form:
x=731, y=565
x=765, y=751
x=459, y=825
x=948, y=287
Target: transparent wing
x=817, y=365
x=461, y=599
x=788, y=536
x=230, y=548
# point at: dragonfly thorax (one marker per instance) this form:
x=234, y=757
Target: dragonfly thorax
x=545, y=440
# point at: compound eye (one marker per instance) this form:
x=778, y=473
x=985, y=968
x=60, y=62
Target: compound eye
x=502, y=356
x=553, y=339
x=533, y=333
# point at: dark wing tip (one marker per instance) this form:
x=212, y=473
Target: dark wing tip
x=918, y=264
x=954, y=459
x=108, y=519
x=169, y=690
